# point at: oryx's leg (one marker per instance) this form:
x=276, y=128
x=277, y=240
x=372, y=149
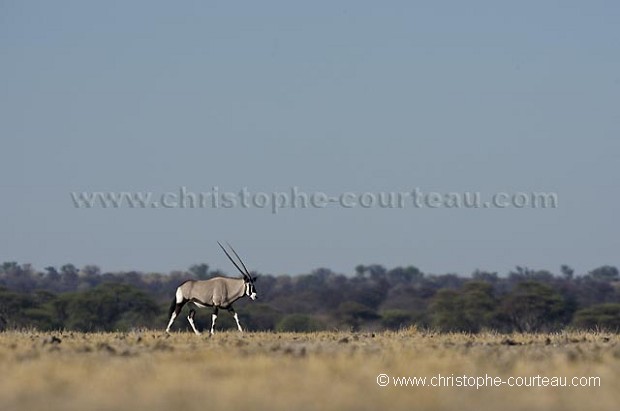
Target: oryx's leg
x=175, y=308
x=190, y=318
x=213, y=318
x=234, y=314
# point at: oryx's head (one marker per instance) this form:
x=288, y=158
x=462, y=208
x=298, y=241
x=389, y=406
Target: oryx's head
x=248, y=280
x=250, y=290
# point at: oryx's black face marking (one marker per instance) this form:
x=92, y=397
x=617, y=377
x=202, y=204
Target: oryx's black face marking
x=250, y=289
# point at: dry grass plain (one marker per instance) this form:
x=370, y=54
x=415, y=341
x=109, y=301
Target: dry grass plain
x=326, y=371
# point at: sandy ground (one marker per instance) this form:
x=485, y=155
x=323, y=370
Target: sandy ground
x=328, y=371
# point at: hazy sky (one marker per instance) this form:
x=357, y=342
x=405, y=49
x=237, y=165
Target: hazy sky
x=328, y=96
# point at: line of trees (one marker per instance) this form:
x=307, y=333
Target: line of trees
x=370, y=298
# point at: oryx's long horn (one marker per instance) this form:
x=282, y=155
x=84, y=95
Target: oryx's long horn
x=231, y=260
x=240, y=260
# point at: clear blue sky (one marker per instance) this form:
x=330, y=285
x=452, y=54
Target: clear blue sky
x=331, y=96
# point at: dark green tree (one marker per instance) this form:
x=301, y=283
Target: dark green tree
x=478, y=304
x=605, y=273
x=354, y=314
x=108, y=307
x=447, y=311
x=200, y=271
x=299, y=323
x=533, y=306
x=396, y=319
x=597, y=317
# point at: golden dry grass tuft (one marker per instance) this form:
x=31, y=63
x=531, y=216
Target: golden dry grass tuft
x=327, y=370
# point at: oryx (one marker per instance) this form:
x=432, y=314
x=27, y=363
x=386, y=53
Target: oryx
x=217, y=292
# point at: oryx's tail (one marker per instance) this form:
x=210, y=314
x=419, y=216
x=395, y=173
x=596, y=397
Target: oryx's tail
x=172, y=307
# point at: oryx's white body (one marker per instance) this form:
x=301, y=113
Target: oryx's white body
x=217, y=292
